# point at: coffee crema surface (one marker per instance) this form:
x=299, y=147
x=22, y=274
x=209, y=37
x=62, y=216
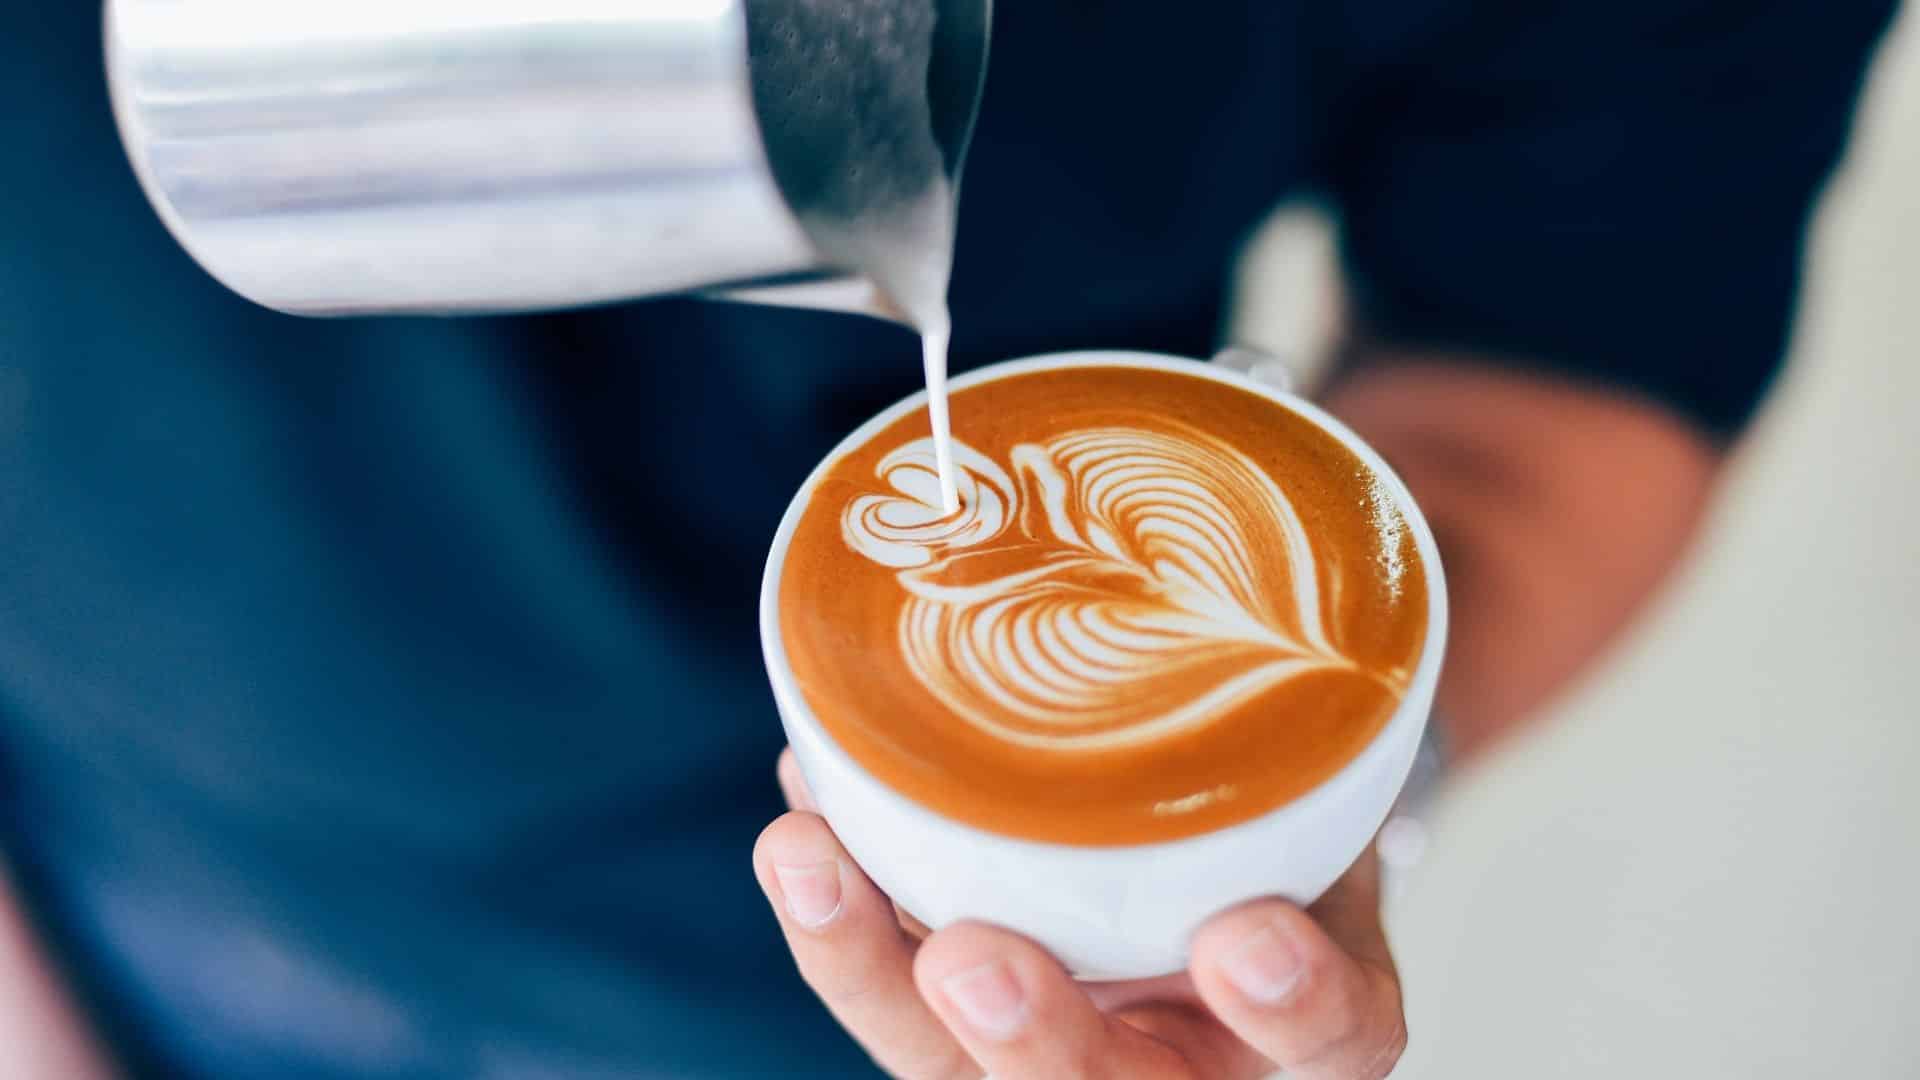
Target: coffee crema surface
x=1166, y=605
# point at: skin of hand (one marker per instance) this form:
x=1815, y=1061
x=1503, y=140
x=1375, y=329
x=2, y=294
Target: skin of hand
x=41, y=1033
x=1559, y=509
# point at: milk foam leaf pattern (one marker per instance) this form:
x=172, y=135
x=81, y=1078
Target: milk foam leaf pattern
x=1114, y=586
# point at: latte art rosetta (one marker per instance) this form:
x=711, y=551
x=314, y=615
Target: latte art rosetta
x=1107, y=588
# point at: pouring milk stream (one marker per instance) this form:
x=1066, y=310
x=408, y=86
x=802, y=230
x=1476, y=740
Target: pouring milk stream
x=876, y=195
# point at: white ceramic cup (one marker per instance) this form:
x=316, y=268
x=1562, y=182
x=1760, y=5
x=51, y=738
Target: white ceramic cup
x=1106, y=912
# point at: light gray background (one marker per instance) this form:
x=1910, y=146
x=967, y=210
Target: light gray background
x=1706, y=863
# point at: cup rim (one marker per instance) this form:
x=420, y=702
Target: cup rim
x=793, y=704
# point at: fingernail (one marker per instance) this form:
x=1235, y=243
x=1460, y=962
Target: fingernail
x=989, y=999
x=812, y=892
x=1264, y=967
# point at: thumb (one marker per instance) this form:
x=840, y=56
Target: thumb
x=1316, y=991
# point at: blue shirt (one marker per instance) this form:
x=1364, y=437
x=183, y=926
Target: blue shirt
x=382, y=698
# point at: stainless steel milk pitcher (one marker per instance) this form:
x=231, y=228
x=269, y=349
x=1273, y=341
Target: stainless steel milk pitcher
x=439, y=156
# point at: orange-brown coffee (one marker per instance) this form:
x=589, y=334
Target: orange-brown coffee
x=1166, y=605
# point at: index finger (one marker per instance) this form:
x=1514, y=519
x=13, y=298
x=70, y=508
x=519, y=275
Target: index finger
x=793, y=785
x=850, y=950
x=799, y=796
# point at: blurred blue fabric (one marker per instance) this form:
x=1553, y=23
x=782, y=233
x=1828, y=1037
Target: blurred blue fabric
x=382, y=698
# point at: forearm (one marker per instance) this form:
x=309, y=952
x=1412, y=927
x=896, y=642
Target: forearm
x=41, y=1034
x=1559, y=509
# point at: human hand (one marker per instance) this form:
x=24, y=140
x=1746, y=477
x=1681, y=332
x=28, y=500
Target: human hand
x=1270, y=985
x=42, y=1029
